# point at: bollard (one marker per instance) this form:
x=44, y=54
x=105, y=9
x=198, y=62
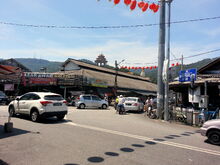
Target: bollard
x=8, y=127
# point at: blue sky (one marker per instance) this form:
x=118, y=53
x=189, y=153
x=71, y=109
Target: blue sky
x=137, y=46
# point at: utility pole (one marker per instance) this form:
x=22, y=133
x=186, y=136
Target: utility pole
x=161, y=55
x=166, y=102
x=116, y=75
x=182, y=63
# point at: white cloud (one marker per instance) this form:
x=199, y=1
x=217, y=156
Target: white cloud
x=212, y=32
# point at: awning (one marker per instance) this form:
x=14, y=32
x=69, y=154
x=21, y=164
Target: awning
x=145, y=93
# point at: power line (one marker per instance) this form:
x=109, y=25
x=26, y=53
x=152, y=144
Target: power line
x=106, y=27
x=177, y=59
x=199, y=54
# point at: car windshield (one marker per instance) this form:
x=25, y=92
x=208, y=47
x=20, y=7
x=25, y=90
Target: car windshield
x=53, y=97
x=131, y=99
x=2, y=93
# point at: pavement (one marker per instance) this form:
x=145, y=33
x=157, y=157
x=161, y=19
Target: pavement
x=103, y=137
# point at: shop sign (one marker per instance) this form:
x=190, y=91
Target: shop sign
x=42, y=81
x=9, y=87
x=37, y=75
x=187, y=75
x=97, y=82
x=64, y=76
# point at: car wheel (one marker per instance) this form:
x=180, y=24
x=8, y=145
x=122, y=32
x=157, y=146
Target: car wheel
x=214, y=137
x=104, y=106
x=60, y=117
x=34, y=116
x=11, y=111
x=82, y=106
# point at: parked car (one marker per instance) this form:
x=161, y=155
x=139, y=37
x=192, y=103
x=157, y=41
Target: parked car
x=3, y=98
x=211, y=129
x=91, y=101
x=133, y=104
x=39, y=104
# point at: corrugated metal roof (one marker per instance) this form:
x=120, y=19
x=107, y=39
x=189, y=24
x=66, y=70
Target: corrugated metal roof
x=102, y=69
x=123, y=82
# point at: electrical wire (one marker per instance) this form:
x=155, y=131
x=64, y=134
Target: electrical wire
x=178, y=59
x=106, y=27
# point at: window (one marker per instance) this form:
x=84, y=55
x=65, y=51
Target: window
x=53, y=97
x=34, y=97
x=86, y=97
x=25, y=97
x=2, y=94
x=96, y=98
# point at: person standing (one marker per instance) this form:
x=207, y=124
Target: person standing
x=116, y=102
x=121, y=101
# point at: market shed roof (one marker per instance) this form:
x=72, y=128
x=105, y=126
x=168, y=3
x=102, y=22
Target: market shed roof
x=123, y=82
x=102, y=69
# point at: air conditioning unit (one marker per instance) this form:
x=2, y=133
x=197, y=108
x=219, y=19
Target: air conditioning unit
x=203, y=103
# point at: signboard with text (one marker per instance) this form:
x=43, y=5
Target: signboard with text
x=187, y=75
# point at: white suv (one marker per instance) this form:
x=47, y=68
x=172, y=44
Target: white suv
x=90, y=101
x=39, y=104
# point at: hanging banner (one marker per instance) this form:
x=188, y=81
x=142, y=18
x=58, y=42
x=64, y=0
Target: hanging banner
x=165, y=68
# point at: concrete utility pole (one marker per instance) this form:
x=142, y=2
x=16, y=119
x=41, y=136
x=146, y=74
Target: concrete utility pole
x=161, y=55
x=182, y=63
x=116, y=75
x=166, y=102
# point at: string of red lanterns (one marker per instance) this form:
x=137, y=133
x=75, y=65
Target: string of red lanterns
x=141, y=4
x=147, y=67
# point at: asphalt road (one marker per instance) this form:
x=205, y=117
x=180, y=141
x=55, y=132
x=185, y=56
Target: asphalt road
x=103, y=137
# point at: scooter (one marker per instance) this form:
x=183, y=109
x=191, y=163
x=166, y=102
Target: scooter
x=121, y=109
x=152, y=113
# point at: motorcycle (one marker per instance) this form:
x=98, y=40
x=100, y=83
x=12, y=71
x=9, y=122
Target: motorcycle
x=151, y=113
x=121, y=109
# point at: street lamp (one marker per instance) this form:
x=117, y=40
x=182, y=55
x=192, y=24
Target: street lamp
x=116, y=74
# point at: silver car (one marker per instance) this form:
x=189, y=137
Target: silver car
x=133, y=104
x=91, y=101
x=211, y=129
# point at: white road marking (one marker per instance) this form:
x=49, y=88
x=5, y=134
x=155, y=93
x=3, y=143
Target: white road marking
x=178, y=145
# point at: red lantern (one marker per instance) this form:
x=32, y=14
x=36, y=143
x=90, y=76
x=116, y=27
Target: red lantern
x=145, y=7
x=116, y=2
x=173, y=65
x=151, y=68
x=156, y=8
x=129, y=68
x=127, y=2
x=125, y=67
x=177, y=64
x=141, y=4
x=155, y=67
x=132, y=67
x=152, y=6
x=142, y=68
x=135, y=68
x=133, y=5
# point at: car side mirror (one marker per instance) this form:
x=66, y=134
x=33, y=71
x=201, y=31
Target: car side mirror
x=17, y=99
